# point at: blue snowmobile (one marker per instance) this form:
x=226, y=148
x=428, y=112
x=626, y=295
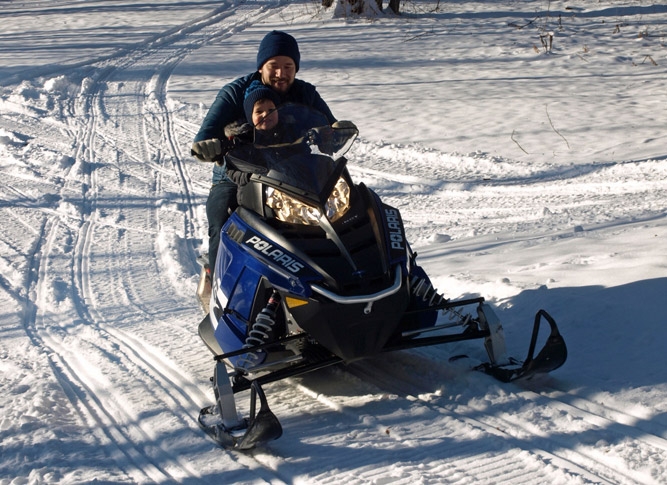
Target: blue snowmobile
x=314, y=270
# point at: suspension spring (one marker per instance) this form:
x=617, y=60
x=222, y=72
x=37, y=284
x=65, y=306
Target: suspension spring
x=422, y=288
x=260, y=332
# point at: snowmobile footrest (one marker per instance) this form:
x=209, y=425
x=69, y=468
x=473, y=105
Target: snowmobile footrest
x=551, y=357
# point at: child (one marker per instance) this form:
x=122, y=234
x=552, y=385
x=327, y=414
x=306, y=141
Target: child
x=261, y=113
x=260, y=105
x=264, y=116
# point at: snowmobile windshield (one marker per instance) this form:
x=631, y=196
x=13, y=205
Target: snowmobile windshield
x=306, y=172
x=301, y=154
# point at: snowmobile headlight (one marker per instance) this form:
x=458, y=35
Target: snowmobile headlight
x=289, y=209
x=339, y=201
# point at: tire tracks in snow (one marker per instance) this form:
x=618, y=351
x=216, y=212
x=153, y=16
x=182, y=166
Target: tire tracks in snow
x=91, y=355
x=530, y=421
x=49, y=263
x=455, y=191
x=369, y=421
x=360, y=410
x=76, y=359
x=77, y=381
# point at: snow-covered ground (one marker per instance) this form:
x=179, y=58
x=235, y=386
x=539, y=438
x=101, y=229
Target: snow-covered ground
x=532, y=174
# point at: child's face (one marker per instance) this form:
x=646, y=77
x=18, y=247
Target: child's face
x=264, y=115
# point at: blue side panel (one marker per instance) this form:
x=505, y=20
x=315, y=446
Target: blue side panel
x=255, y=251
x=245, y=257
x=233, y=323
x=230, y=269
x=226, y=337
x=243, y=295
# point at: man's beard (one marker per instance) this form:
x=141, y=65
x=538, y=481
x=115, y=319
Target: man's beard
x=281, y=84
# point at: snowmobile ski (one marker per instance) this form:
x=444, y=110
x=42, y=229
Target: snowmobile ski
x=228, y=430
x=551, y=357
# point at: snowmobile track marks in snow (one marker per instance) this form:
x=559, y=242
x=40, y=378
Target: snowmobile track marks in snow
x=443, y=445
x=91, y=358
x=526, y=420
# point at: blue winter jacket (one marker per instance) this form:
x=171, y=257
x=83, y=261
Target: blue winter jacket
x=228, y=107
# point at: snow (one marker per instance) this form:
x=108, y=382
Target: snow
x=533, y=176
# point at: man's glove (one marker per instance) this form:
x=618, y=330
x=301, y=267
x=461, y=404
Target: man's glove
x=211, y=150
x=344, y=124
x=342, y=132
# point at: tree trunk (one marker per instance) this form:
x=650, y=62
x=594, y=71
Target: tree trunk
x=395, y=5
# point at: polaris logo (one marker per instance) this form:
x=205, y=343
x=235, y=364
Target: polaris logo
x=395, y=229
x=277, y=255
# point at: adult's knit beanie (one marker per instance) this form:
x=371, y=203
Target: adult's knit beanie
x=277, y=43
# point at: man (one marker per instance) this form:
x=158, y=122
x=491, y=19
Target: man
x=278, y=61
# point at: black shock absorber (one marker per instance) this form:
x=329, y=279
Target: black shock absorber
x=261, y=332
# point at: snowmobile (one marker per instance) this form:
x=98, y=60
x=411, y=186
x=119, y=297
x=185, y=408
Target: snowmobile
x=314, y=270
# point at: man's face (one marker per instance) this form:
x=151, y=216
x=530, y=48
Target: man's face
x=279, y=73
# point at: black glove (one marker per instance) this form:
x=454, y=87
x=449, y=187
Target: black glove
x=320, y=136
x=240, y=131
x=238, y=177
x=343, y=131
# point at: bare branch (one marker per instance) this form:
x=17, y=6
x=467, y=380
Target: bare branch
x=546, y=108
x=517, y=143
